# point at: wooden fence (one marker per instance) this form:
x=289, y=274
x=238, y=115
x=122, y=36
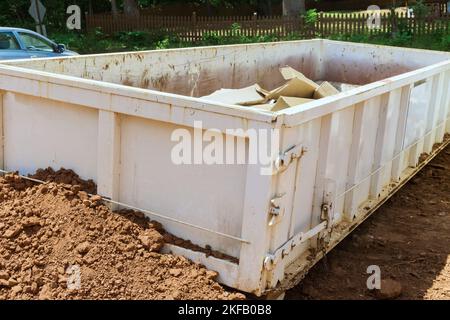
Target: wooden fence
x=194, y=28
x=352, y=5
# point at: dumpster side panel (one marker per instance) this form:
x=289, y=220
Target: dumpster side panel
x=208, y=195
x=375, y=140
x=39, y=133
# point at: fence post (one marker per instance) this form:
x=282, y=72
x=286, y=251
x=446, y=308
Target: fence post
x=319, y=25
x=87, y=23
x=255, y=23
x=194, y=18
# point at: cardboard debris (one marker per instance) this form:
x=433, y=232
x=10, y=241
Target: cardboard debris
x=283, y=103
x=236, y=96
x=296, y=91
x=325, y=90
x=296, y=87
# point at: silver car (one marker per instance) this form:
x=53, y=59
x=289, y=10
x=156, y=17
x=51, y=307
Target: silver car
x=16, y=43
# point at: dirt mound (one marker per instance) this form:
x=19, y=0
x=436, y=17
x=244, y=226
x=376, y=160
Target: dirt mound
x=65, y=176
x=56, y=242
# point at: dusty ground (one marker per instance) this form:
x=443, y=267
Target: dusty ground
x=408, y=238
x=51, y=233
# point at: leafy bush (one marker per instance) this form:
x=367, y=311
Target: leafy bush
x=445, y=42
x=420, y=9
x=311, y=16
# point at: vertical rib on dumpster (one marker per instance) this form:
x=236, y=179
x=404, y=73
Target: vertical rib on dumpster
x=108, y=158
x=399, y=151
x=437, y=83
x=255, y=229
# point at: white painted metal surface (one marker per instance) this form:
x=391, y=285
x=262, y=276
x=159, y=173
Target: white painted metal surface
x=110, y=118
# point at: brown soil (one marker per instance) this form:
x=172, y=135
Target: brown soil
x=408, y=238
x=48, y=231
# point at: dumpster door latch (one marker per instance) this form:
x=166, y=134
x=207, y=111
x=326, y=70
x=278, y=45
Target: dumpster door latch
x=285, y=158
x=276, y=209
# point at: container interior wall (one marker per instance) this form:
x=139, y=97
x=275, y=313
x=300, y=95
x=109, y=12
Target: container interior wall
x=362, y=64
x=199, y=71
x=192, y=71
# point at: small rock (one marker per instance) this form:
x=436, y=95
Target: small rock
x=4, y=275
x=390, y=289
x=31, y=222
x=83, y=248
x=16, y=289
x=12, y=282
x=45, y=293
x=4, y=283
x=96, y=198
x=83, y=195
x=176, y=295
x=75, y=188
x=217, y=286
x=145, y=240
x=211, y=274
x=175, y=272
x=12, y=232
x=34, y=287
x=237, y=296
x=87, y=203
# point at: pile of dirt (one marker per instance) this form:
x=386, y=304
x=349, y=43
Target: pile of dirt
x=57, y=242
x=65, y=176
x=408, y=238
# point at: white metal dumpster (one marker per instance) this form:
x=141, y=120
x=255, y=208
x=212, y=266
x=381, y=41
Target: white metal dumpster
x=111, y=118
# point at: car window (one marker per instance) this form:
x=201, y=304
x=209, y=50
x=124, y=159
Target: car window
x=8, y=41
x=33, y=42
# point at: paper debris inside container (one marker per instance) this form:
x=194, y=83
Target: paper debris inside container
x=296, y=91
x=325, y=90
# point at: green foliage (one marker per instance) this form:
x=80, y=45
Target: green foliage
x=445, y=42
x=311, y=16
x=420, y=9
x=14, y=13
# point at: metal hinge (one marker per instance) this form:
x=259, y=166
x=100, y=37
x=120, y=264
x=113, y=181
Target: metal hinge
x=276, y=210
x=285, y=158
x=326, y=217
x=272, y=259
x=324, y=238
